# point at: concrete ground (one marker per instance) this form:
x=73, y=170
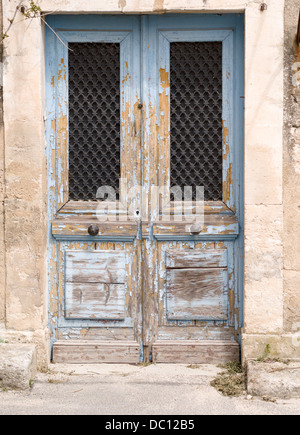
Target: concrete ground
x=133, y=390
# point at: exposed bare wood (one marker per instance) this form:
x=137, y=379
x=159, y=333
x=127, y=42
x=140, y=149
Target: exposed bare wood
x=79, y=225
x=118, y=333
x=195, y=352
x=95, y=301
x=94, y=352
x=92, y=208
x=203, y=331
x=190, y=207
x=214, y=224
x=197, y=294
x=184, y=258
x=107, y=267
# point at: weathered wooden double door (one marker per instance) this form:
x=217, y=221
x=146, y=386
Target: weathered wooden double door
x=145, y=153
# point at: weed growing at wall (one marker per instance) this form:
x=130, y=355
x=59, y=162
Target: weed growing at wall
x=231, y=382
x=28, y=12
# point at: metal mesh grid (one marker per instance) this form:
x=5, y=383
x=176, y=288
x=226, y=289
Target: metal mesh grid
x=94, y=118
x=196, y=117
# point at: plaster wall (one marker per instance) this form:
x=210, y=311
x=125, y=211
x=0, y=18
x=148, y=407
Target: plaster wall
x=2, y=245
x=291, y=173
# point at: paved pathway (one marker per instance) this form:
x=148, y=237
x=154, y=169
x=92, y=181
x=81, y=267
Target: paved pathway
x=133, y=390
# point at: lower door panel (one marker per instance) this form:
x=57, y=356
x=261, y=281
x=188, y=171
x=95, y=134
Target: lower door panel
x=98, y=303
x=197, y=303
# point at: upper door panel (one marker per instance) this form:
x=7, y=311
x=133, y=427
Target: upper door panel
x=193, y=94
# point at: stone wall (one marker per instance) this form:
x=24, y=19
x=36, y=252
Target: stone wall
x=25, y=183
x=291, y=172
x=263, y=279
x=2, y=246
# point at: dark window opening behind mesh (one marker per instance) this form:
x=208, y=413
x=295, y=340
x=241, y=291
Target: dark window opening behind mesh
x=94, y=118
x=196, y=117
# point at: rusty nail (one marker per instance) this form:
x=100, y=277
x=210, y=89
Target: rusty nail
x=263, y=7
x=140, y=106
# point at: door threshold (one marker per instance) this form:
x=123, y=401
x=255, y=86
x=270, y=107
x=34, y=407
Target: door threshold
x=195, y=352
x=95, y=352
x=128, y=352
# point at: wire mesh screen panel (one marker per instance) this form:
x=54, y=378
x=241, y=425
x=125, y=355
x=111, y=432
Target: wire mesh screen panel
x=94, y=118
x=196, y=117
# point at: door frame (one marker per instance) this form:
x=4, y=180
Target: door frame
x=168, y=28
x=57, y=135
x=121, y=233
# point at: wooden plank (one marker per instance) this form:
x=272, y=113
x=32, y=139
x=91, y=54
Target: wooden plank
x=77, y=226
x=190, y=207
x=94, y=301
x=117, y=333
x=195, y=352
x=205, y=331
x=214, y=224
x=197, y=294
x=190, y=258
x=107, y=267
x=95, y=352
x=91, y=208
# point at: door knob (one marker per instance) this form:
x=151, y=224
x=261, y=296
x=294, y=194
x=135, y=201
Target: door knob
x=93, y=230
x=195, y=229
